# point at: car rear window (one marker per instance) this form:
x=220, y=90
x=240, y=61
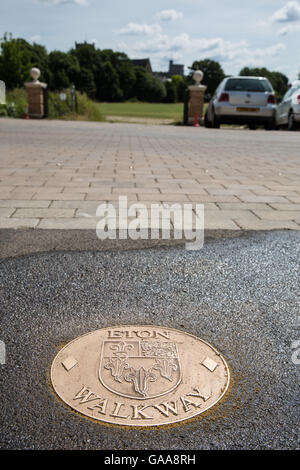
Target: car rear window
x=294, y=89
x=247, y=84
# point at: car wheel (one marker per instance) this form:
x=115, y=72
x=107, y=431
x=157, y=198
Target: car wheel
x=252, y=127
x=291, y=122
x=207, y=123
x=215, y=121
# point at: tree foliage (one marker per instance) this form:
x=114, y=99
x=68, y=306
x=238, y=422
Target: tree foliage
x=15, y=62
x=109, y=87
x=171, y=92
x=181, y=86
x=64, y=69
x=148, y=87
x=213, y=74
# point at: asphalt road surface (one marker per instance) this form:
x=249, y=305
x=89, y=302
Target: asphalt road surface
x=240, y=294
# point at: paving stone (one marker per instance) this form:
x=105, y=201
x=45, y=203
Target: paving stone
x=247, y=224
x=295, y=199
x=98, y=196
x=82, y=223
x=18, y=223
x=230, y=214
x=76, y=204
x=242, y=206
x=266, y=199
x=63, y=196
x=278, y=215
x=43, y=213
x=284, y=207
x=19, y=203
x=6, y=211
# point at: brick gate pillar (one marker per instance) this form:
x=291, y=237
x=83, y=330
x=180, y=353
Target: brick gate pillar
x=35, y=94
x=197, y=93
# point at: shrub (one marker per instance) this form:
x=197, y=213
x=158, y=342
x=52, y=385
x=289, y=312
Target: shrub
x=3, y=111
x=56, y=107
x=133, y=100
x=88, y=108
x=16, y=101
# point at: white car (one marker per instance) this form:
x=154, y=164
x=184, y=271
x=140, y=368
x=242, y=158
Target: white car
x=242, y=100
x=288, y=111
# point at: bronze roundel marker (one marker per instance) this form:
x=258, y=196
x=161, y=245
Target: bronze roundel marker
x=139, y=375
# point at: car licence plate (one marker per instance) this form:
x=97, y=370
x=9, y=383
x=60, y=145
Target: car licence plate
x=247, y=110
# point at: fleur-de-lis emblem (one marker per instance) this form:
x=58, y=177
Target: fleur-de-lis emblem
x=121, y=349
x=166, y=367
x=140, y=379
x=117, y=364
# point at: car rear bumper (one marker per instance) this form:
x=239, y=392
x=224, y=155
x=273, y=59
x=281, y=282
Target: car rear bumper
x=236, y=114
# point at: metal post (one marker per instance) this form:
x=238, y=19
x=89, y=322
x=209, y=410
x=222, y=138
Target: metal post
x=186, y=107
x=46, y=103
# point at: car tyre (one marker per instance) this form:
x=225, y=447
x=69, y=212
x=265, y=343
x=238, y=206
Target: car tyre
x=215, y=121
x=292, y=126
x=207, y=123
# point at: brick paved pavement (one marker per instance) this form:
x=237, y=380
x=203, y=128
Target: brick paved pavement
x=54, y=174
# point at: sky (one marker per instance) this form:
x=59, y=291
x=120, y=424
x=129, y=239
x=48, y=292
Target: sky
x=236, y=33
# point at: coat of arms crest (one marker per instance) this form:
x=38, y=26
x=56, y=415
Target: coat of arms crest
x=140, y=369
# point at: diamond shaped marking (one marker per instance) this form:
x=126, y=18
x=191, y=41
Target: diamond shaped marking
x=69, y=363
x=210, y=364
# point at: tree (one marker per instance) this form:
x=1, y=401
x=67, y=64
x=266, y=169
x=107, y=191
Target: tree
x=18, y=57
x=38, y=58
x=64, y=69
x=280, y=83
x=89, y=62
x=277, y=79
x=125, y=70
x=213, y=74
x=171, y=92
x=148, y=87
x=86, y=55
x=181, y=86
x=15, y=63
x=85, y=82
x=109, y=88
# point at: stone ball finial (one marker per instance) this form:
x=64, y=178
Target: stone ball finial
x=198, y=76
x=35, y=73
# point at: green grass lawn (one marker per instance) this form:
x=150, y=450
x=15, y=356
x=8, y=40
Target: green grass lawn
x=172, y=111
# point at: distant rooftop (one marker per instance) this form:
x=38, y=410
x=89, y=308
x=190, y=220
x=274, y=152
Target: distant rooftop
x=143, y=63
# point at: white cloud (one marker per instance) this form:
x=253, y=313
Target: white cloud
x=169, y=15
x=290, y=28
x=233, y=55
x=64, y=2
x=162, y=42
x=217, y=46
x=136, y=29
x=289, y=13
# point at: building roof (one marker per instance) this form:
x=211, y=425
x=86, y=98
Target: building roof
x=142, y=63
